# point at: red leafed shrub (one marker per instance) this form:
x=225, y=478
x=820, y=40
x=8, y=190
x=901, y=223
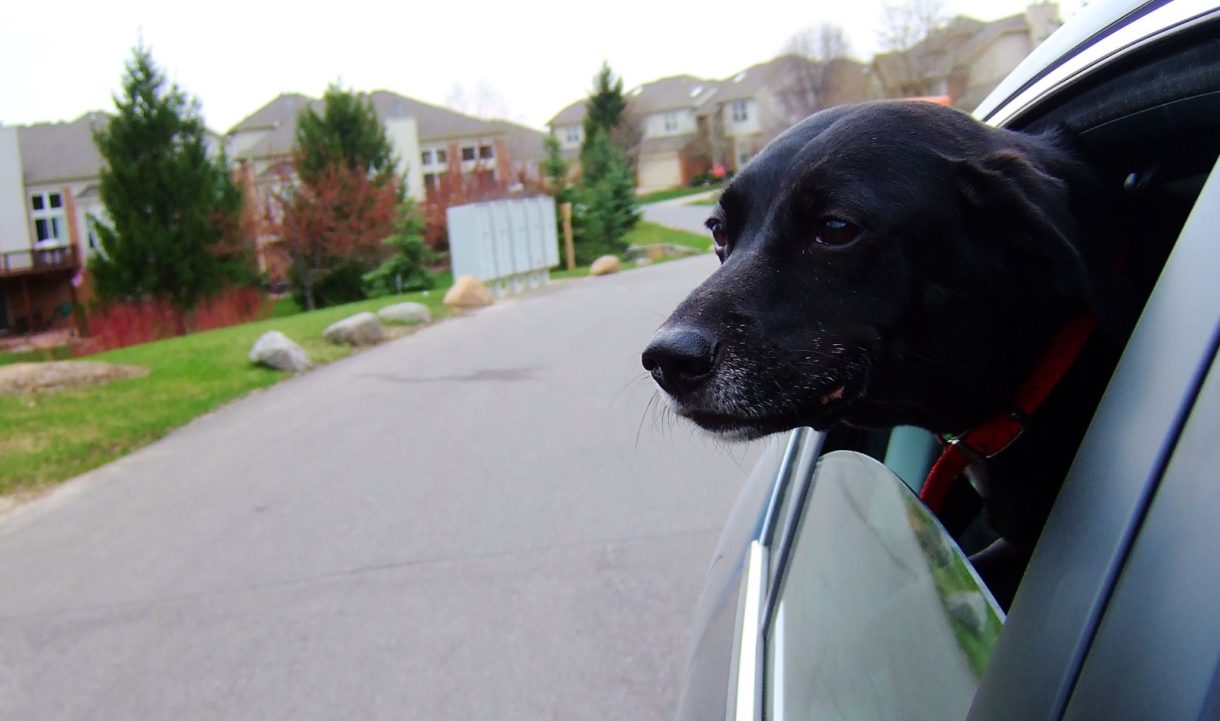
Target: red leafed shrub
x=134, y=322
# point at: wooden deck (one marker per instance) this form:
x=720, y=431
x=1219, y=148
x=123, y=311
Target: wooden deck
x=15, y=263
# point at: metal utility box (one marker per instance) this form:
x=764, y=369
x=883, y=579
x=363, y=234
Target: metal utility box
x=507, y=244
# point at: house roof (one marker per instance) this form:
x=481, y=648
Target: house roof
x=524, y=144
x=677, y=92
x=61, y=151
x=937, y=54
x=747, y=83
x=574, y=113
x=432, y=121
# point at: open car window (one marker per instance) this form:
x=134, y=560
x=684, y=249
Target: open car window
x=878, y=614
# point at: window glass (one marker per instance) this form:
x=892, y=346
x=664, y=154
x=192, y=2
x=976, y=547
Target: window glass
x=486, y=152
x=468, y=153
x=36, y=202
x=56, y=201
x=878, y=615
x=426, y=157
x=442, y=156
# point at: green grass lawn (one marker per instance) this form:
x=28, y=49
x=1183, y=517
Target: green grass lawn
x=49, y=437
x=670, y=194
x=53, y=436
x=646, y=233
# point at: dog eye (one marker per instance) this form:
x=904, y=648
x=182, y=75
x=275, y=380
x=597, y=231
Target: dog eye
x=836, y=231
x=720, y=236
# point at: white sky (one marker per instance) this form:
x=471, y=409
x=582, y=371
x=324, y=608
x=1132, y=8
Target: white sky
x=522, y=60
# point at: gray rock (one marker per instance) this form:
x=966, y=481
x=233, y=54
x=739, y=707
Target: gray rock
x=360, y=329
x=276, y=350
x=405, y=313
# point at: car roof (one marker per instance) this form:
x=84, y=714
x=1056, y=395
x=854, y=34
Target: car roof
x=1099, y=34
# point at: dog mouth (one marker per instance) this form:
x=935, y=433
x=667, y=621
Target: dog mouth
x=831, y=406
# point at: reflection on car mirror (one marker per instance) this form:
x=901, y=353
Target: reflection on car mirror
x=877, y=612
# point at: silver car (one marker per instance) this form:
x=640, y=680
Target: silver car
x=833, y=592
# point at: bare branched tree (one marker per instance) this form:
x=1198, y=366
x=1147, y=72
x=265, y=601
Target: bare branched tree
x=483, y=101
x=905, y=23
x=808, y=71
x=904, y=27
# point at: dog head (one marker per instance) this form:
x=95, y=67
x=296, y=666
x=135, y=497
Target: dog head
x=887, y=263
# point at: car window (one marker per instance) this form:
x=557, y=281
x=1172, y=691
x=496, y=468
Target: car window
x=878, y=615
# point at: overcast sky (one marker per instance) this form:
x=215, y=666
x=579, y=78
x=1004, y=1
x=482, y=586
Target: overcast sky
x=522, y=60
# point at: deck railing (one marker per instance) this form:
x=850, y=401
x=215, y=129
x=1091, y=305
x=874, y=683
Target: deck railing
x=38, y=260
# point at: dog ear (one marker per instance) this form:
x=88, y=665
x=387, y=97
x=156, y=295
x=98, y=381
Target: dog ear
x=1011, y=200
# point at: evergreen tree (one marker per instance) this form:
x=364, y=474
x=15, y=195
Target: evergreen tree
x=348, y=131
x=406, y=269
x=555, y=169
x=174, y=212
x=604, y=109
x=606, y=203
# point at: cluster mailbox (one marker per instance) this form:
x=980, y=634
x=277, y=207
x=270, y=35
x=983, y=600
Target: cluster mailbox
x=508, y=244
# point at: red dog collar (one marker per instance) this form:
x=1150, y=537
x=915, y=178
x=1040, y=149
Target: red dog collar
x=992, y=437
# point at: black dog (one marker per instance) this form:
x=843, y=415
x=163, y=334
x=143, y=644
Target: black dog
x=897, y=263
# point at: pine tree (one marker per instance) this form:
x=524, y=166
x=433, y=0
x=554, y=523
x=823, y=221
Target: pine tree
x=555, y=169
x=606, y=204
x=406, y=270
x=348, y=131
x=174, y=212
x=605, y=106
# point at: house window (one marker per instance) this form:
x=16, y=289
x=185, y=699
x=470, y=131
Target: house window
x=671, y=122
x=426, y=157
x=50, y=226
x=741, y=111
x=442, y=156
x=430, y=181
x=486, y=152
x=468, y=153
x=572, y=134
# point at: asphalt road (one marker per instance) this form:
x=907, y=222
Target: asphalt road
x=484, y=520
x=678, y=213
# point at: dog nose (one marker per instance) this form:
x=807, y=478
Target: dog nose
x=679, y=359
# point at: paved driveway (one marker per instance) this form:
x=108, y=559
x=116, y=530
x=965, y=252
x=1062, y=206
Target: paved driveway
x=485, y=520
x=678, y=213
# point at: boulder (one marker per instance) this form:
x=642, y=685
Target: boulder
x=360, y=329
x=468, y=292
x=276, y=350
x=605, y=265
x=410, y=313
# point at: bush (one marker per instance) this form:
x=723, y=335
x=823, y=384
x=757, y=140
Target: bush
x=142, y=321
x=343, y=284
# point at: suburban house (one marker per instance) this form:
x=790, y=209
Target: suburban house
x=967, y=58
x=568, y=126
x=760, y=102
x=664, y=116
x=667, y=112
x=48, y=189
x=687, y=125
x=430, y=142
